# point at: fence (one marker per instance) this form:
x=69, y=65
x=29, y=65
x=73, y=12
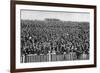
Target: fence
x=51, y=57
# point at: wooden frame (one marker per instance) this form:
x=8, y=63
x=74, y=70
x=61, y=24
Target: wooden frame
x=13, y=35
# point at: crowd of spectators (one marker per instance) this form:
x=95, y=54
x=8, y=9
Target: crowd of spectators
x=55, y=37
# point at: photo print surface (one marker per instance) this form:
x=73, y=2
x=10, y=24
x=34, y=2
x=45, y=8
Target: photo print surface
x=50, y=36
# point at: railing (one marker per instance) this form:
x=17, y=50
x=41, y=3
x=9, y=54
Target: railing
x=52, y=57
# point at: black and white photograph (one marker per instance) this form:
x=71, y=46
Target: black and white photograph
x=54, y=36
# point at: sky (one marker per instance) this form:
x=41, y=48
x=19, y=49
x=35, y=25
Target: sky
x=65, y=16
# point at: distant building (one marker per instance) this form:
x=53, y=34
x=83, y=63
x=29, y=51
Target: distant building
x=53, y=19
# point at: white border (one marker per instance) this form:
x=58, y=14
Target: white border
x=49, y=64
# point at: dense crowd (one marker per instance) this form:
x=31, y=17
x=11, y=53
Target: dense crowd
x=55, y=37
